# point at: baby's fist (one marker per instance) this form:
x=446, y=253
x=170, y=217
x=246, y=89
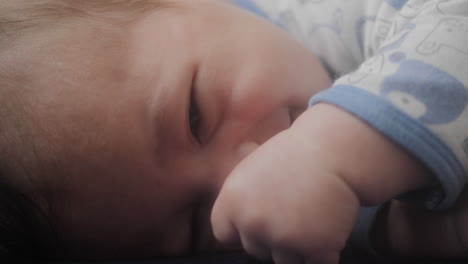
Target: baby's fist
x=284, y=202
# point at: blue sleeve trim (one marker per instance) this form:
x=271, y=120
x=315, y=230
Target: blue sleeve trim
x=253, y=8
x=407, y=132
x=250, y=6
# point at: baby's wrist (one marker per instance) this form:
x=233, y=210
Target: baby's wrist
x=375, y=168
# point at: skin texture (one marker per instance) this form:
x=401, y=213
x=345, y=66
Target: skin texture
x=139, y=174
x=318, y=191
x=132, y=178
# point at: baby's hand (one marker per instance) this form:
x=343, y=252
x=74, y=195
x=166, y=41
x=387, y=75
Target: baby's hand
x=286, y=202
x=296, y=198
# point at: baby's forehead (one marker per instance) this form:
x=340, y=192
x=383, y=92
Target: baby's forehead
x=51, y=74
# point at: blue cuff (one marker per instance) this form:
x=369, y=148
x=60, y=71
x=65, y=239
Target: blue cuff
x=407, y=132
x=252, y=7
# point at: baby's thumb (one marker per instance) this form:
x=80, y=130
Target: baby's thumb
x=221, y=221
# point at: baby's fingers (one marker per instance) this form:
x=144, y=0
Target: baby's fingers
x=231, y=206
x=221, y=221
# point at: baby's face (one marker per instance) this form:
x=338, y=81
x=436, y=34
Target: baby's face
x=202, y=85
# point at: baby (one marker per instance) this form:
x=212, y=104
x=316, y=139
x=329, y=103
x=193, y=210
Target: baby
x=127, y=124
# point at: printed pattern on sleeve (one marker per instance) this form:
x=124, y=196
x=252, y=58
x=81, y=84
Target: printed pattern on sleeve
x=416, y=85
x=400, y=65
x=325, y=27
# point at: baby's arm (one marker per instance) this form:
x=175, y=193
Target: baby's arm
x=298, y=195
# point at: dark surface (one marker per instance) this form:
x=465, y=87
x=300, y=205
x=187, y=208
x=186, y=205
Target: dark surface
x=347, y=258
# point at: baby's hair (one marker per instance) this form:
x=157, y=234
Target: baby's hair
x=22, y=225
x=26, y=209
